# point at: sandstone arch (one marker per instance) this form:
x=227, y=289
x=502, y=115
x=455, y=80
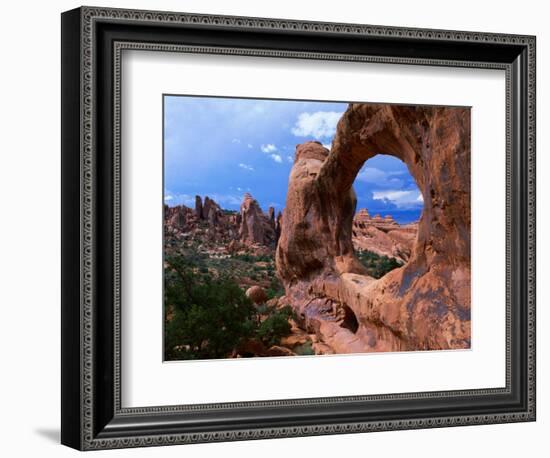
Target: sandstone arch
x=422, y=305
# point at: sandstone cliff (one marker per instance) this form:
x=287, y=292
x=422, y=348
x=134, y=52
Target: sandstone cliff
x=426, y=303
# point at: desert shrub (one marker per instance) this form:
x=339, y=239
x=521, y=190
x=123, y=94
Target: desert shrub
x=244, y=257
x=264, y=258
x=377, y=266
x=275, y=288
x=275, y=326
x=247, y=257
x=262, y=309
x=210, y=317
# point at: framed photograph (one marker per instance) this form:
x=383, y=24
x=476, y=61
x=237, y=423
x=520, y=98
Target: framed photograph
x=276, y=228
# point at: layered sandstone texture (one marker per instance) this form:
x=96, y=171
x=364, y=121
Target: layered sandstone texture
x=423, y=305
x=383, y=236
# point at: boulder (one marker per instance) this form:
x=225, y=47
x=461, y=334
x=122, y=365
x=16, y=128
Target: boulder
x=256, y=294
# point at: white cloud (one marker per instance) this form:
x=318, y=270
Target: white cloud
x=277, y=158
x=379, y=178
x=246, y=167
x=402, y=199
x=174, y=198
x=235, y=140
x=290, y=159
x=179, y=199
x=225, y=199
x=250, y=146
x=259, y=108
x=320, y=124
x=189, y=200
x=269, y=148
x=371, y=175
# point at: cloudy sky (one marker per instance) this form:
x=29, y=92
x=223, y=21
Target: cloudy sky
x=224, y=147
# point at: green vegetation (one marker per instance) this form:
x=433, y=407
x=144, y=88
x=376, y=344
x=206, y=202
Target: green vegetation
x=275, y=326
x=377, y=266
x=275, y=288
x=304, y=349
x=253, y=258
x=245, y=268
x=209, y=317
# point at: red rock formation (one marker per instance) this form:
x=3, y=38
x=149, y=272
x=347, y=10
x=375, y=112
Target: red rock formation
x=177, y=218
x=211, y=211
x=256, y=227
x=223, y=232
x=383, y=236
x=422, y=305
x=256, y=294
x=278, y=222
x=198, y=206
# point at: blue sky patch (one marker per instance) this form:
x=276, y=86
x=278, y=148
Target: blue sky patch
x=224, y=147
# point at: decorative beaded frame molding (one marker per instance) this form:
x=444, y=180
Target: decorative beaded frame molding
x=89, y=15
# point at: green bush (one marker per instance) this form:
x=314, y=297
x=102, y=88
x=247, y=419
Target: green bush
x=210, y=316
x=275, y=288
x=275, y=326
x=377, y=266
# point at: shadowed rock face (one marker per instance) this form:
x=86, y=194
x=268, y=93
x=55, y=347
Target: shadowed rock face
x=422, y=305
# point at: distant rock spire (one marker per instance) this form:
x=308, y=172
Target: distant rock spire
x=198, y=207
x=256, y=227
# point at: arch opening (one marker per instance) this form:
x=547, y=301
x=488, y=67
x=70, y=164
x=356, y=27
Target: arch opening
x=389, y=206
